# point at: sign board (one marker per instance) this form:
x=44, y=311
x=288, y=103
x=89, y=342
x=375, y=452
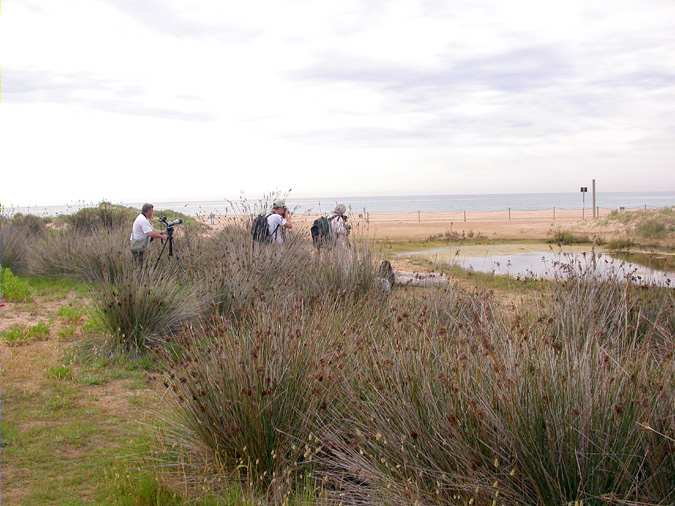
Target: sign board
x=584, y=189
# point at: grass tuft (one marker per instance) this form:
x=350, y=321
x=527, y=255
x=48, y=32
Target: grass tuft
x=19, y=334
x=564, y=237
x=13, y=288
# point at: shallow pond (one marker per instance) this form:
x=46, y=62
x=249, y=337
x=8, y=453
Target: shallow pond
x=532, y=262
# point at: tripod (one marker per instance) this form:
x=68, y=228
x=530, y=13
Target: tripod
x=169, y=241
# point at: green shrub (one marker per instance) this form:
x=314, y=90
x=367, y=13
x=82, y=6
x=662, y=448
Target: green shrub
x=564, y=237
x=105, y=216
x=14, y=289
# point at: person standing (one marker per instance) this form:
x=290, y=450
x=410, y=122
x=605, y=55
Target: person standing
x=142, y=233
x=278, y=222
x=339, y=227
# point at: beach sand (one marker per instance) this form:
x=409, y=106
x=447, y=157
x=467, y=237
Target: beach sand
x=520, y=225
x=532, y=225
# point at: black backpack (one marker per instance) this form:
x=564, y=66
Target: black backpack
x=260, y=231
x=321, y=231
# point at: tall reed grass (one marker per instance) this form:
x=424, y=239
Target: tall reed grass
x=439, y=399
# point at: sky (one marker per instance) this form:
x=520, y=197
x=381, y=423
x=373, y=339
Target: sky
x=166, y=100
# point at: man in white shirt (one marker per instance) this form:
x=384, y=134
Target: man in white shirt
x=142, y=232
x=278, y=222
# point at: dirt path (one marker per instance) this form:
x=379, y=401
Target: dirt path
x=65, y=422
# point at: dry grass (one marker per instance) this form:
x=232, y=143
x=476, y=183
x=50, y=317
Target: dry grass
x=286, y=371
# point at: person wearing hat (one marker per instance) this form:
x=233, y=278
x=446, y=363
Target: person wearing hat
x=279, y=221
x=339, y=227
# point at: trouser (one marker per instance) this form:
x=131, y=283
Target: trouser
x=138, y=257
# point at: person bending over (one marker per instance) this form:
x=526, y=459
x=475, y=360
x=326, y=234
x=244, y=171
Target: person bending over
x=278, y=222
x=142, y=233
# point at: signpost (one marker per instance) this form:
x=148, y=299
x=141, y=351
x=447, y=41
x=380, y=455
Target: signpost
x=584, y=191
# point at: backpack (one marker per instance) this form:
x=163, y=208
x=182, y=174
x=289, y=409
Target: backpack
x=260, y=231
x=321, y=231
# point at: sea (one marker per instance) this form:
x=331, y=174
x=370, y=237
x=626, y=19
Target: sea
x=399, y=203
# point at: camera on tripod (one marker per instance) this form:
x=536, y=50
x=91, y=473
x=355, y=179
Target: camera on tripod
x=170, y=224
x=169, y=237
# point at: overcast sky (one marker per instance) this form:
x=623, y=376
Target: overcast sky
x=135, y=100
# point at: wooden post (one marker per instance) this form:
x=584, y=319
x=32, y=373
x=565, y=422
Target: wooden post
x=583, y=190
x=553, y=213
x=419, y=217
x=594, y=208
x=509, y=214
x=464, y=216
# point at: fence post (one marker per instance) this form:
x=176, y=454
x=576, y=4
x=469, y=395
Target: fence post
x=464, y=216
x=509, y=214
x=553, y=213
x=419, y=217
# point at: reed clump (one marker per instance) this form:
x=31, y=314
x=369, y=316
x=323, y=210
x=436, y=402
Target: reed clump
x=140, y=307
x=92, y=256
x=498, y=409
x=435, y=398
x=247, y=398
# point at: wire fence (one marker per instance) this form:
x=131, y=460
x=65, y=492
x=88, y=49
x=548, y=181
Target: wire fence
x=507, y=215
x=215, y=214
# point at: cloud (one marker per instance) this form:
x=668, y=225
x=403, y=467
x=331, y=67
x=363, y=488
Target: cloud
x=428, y=95
x=161, y=16
x=36, y=86
x=522, y=94
x=516, y=70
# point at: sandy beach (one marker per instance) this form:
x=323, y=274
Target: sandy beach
x=532, y=225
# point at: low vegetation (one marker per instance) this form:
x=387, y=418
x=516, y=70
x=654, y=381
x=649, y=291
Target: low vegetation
x=12, y=288
x=655, y=225
x=563, y=237
x=18, y=334
x=292, y=378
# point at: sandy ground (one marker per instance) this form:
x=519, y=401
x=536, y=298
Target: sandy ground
x=490, y=225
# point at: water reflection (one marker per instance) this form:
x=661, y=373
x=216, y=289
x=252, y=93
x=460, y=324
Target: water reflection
x=557, y=264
